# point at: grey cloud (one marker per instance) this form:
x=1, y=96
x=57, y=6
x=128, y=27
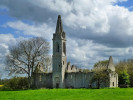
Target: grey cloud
x=22, y=9
x=113, y=39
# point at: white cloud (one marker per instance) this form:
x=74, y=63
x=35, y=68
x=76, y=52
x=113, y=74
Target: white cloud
x=96, y=15
x=56, y=5
x=42, y=30
x=86, y=53
x=93, y=14
x=107, y=27
x=89, y=13
x=122, y=0
x=6, y=40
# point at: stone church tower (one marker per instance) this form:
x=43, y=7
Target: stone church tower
x=59, y=56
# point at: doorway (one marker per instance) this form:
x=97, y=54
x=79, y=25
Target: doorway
x=57, y=85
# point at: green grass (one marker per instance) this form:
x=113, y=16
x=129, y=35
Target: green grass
x=69, y=94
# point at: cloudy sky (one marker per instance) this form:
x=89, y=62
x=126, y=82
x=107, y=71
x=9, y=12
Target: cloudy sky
x=95, y=29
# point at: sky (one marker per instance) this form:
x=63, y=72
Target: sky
x=95, y=29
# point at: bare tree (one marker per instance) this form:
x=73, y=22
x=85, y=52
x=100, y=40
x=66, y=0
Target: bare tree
x=47, y=64
x=24, y=56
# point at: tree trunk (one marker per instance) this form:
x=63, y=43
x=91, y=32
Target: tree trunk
x=98, y=84
x=29, y=81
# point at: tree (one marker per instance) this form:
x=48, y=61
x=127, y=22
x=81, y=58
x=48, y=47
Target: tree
x=124, y=79
x=101, y=63
x=24, y=56
x=126, y=65
x=47, y=62
x=130, y=72
x=100, y=76
x=121, y=66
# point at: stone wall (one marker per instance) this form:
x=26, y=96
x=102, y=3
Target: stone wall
x=83, y=80
x=113, y=79
x=78, y=80
x=71, y=68
x=74, y=80
x=42, y=80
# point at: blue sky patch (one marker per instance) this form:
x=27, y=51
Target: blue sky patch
x=128, y=4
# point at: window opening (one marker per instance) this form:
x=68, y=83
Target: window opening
x=113, y=83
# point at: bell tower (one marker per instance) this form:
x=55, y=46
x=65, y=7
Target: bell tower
x=59, y=55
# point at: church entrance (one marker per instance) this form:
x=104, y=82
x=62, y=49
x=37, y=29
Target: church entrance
x=57, y=82
x=57, y=85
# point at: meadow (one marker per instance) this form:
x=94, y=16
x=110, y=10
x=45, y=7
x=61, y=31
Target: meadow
x=69, y=94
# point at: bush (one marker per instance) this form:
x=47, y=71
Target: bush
x=16, y=83
x=23, y=83
x=124, y=79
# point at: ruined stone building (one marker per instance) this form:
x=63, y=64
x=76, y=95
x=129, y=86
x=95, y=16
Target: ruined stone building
x=63, y=74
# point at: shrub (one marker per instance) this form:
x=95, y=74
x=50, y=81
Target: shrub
x=16, y=83
x=124, y=79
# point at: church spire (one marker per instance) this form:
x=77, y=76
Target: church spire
x=111, y=64
x=59, y=27
x=110, y=60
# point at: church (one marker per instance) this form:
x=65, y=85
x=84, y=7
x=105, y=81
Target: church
x=65, y=75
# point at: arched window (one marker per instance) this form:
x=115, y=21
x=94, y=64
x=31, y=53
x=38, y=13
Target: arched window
x=57, y=47
x=63, y=62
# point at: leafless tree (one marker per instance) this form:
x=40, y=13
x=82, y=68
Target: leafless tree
x=24, y=56
x=48, y=64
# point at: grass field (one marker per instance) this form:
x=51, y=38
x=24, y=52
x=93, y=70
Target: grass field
x=69, y=94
